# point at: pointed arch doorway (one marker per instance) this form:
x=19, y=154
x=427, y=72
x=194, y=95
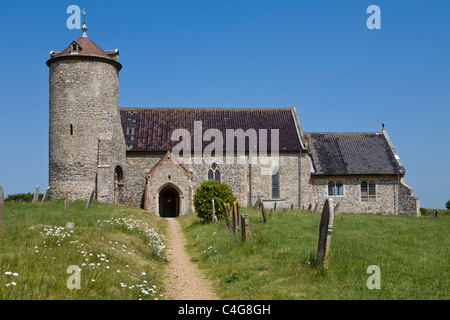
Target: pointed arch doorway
x=169, y=202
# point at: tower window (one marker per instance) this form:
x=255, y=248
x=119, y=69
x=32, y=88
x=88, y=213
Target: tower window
x=71, y=130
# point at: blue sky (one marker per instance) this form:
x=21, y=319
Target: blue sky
x=316, y=55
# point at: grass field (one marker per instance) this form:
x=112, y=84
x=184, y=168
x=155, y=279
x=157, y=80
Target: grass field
x=412, y=254
x=118, y=249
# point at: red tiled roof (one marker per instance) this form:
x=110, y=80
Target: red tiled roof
x=88, y=50
x=150, y=129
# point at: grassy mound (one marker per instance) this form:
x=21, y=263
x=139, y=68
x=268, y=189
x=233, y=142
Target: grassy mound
x=120, y=251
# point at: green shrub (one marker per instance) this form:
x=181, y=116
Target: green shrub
x=22, y=197
x=208, y=190
x=447, y=205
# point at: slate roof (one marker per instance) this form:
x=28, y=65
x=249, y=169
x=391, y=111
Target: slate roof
x=352, y=153
x=150, y=129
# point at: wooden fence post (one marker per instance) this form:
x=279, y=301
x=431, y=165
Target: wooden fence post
x=227, y=216
x=235, y=223
x=244, y=226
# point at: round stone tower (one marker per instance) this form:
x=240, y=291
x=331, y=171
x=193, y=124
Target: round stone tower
x=86, y=140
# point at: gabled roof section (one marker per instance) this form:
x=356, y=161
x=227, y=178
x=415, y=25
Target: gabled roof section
x=353, y=153
x=150, y=129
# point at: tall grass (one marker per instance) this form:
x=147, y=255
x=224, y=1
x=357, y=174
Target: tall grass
x=112, y=245
x=277, y=263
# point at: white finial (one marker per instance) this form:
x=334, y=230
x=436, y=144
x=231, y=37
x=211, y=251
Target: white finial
x=84, y=28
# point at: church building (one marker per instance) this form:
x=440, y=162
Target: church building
x=131, y=155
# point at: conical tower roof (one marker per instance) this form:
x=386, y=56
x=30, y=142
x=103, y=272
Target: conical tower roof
x=85, y=48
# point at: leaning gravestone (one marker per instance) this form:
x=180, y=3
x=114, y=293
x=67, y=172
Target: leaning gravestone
x=309, y=207
x=46, y=194
x=325, y=230
x=227, y=216
x=91, y=198
x=36, y=195
x=1, y=208
x=315, y=207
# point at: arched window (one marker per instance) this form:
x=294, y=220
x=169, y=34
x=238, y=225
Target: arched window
x=335, y=188
x=331, y=188
x=214, y=172
x=339, y=188
x=275, y=183
x=368, y=191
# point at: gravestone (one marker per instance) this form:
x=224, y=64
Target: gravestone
x=2, y=195
x=337, y=207
x=91, y=198
x=36, y=195
x=325, y=231
x=270, y=213
x=309, y=207
x=214, y=218
x=244, y=227
x=315, y=207
x=46, y=194
x=292, y=207
x=435, y=214
x=257, y=204
x=275, y=206
x=66, y=200
x=263, y=211
x=70, y=225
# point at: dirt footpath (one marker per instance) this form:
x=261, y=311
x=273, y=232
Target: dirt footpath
x=183, y=279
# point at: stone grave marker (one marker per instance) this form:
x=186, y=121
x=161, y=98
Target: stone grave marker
x=325, y=231
x=337, y=207
x=66, y=200
x=2, y=195
x=315, y=207
x=214, y=218
x=310, y=207
x=46, y=194
x=70, y=225
x=263, y=211
x=36, y=195
x=244, y=227
x=91, y=198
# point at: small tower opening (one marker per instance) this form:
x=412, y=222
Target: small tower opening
x=71, y=129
